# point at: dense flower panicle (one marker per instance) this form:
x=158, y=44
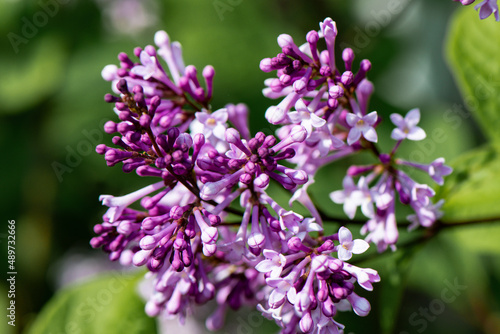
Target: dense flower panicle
x=333, y=107
x=485, y=8
x=306, y=285
x=208, y=229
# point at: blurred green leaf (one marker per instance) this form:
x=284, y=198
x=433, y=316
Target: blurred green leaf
x=479, y=238
x=473, y=52
x=472, y=193
x=108, y=304
x=29, y=79
x=392, y=286
x=472, y=190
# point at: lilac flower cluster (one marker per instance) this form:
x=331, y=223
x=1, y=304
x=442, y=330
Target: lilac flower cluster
x=188, y=229
x=485, y=8
x=333, y=107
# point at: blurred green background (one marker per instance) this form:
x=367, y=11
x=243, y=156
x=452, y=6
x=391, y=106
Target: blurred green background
x=52, y=109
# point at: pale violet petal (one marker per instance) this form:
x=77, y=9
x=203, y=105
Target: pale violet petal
x=354, y=135
x=370, y=134
x=412, y=117
x=352, y=119
x=359, y=246
x=371, y=118
x=265, y=266
x=344, y=235
x=416, y=133
x=398, y=134
x=338, y=196
x=398, y=120
x=344, y=254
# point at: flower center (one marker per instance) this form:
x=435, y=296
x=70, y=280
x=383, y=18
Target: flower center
x=211, y=121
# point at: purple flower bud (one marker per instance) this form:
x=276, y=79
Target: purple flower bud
x=246, y=178
x=295, y=244
x=306, y=323
x=336, y=91
x=121, y=85
x=347, y=78
x=348, y=58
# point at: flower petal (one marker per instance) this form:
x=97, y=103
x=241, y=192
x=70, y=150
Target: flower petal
x=370, y=134
x=352, y=119
x=353, y=136
x=344, y=254
x=371, y=118
x=398, y=120
x=344, y=235
x=359, y=246
x=416, y=133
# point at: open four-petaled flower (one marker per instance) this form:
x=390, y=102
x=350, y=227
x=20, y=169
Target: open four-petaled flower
x=348, y=246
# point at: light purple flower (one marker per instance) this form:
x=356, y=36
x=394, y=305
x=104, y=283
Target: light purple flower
x=486, y=8
x=437, y=169
x=306, y=117
x=118, y=204
x=212, y=126
x=348, y=246
x=425, y=215
x=362, y=126
x=407, y=127
x=353, y=196
x=347, y=196
x=148, y=67
x=273, y=263
x=364, y=276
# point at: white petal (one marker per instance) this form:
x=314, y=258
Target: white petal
x=301, y=106
x=220, y=115
x=370, y=134
x=265, y=266
x=412, y=117
x=367, y=209
x=353, y=136
x=344, y=254
x=276, y=297
x=371, y=118
x=350, y=208
x=269, y=253
x=398, y=134
x=359, y=246
x=219, y=131
x=352, y=119
x=344, y=235
x=317, y=121
x=416, y=133
x=398, y=120
x=338, y=196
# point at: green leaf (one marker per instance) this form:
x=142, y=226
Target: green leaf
x=393, y=271
x=473, y=53
x=32, y=77
x=108, y=304
x=472, y=192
